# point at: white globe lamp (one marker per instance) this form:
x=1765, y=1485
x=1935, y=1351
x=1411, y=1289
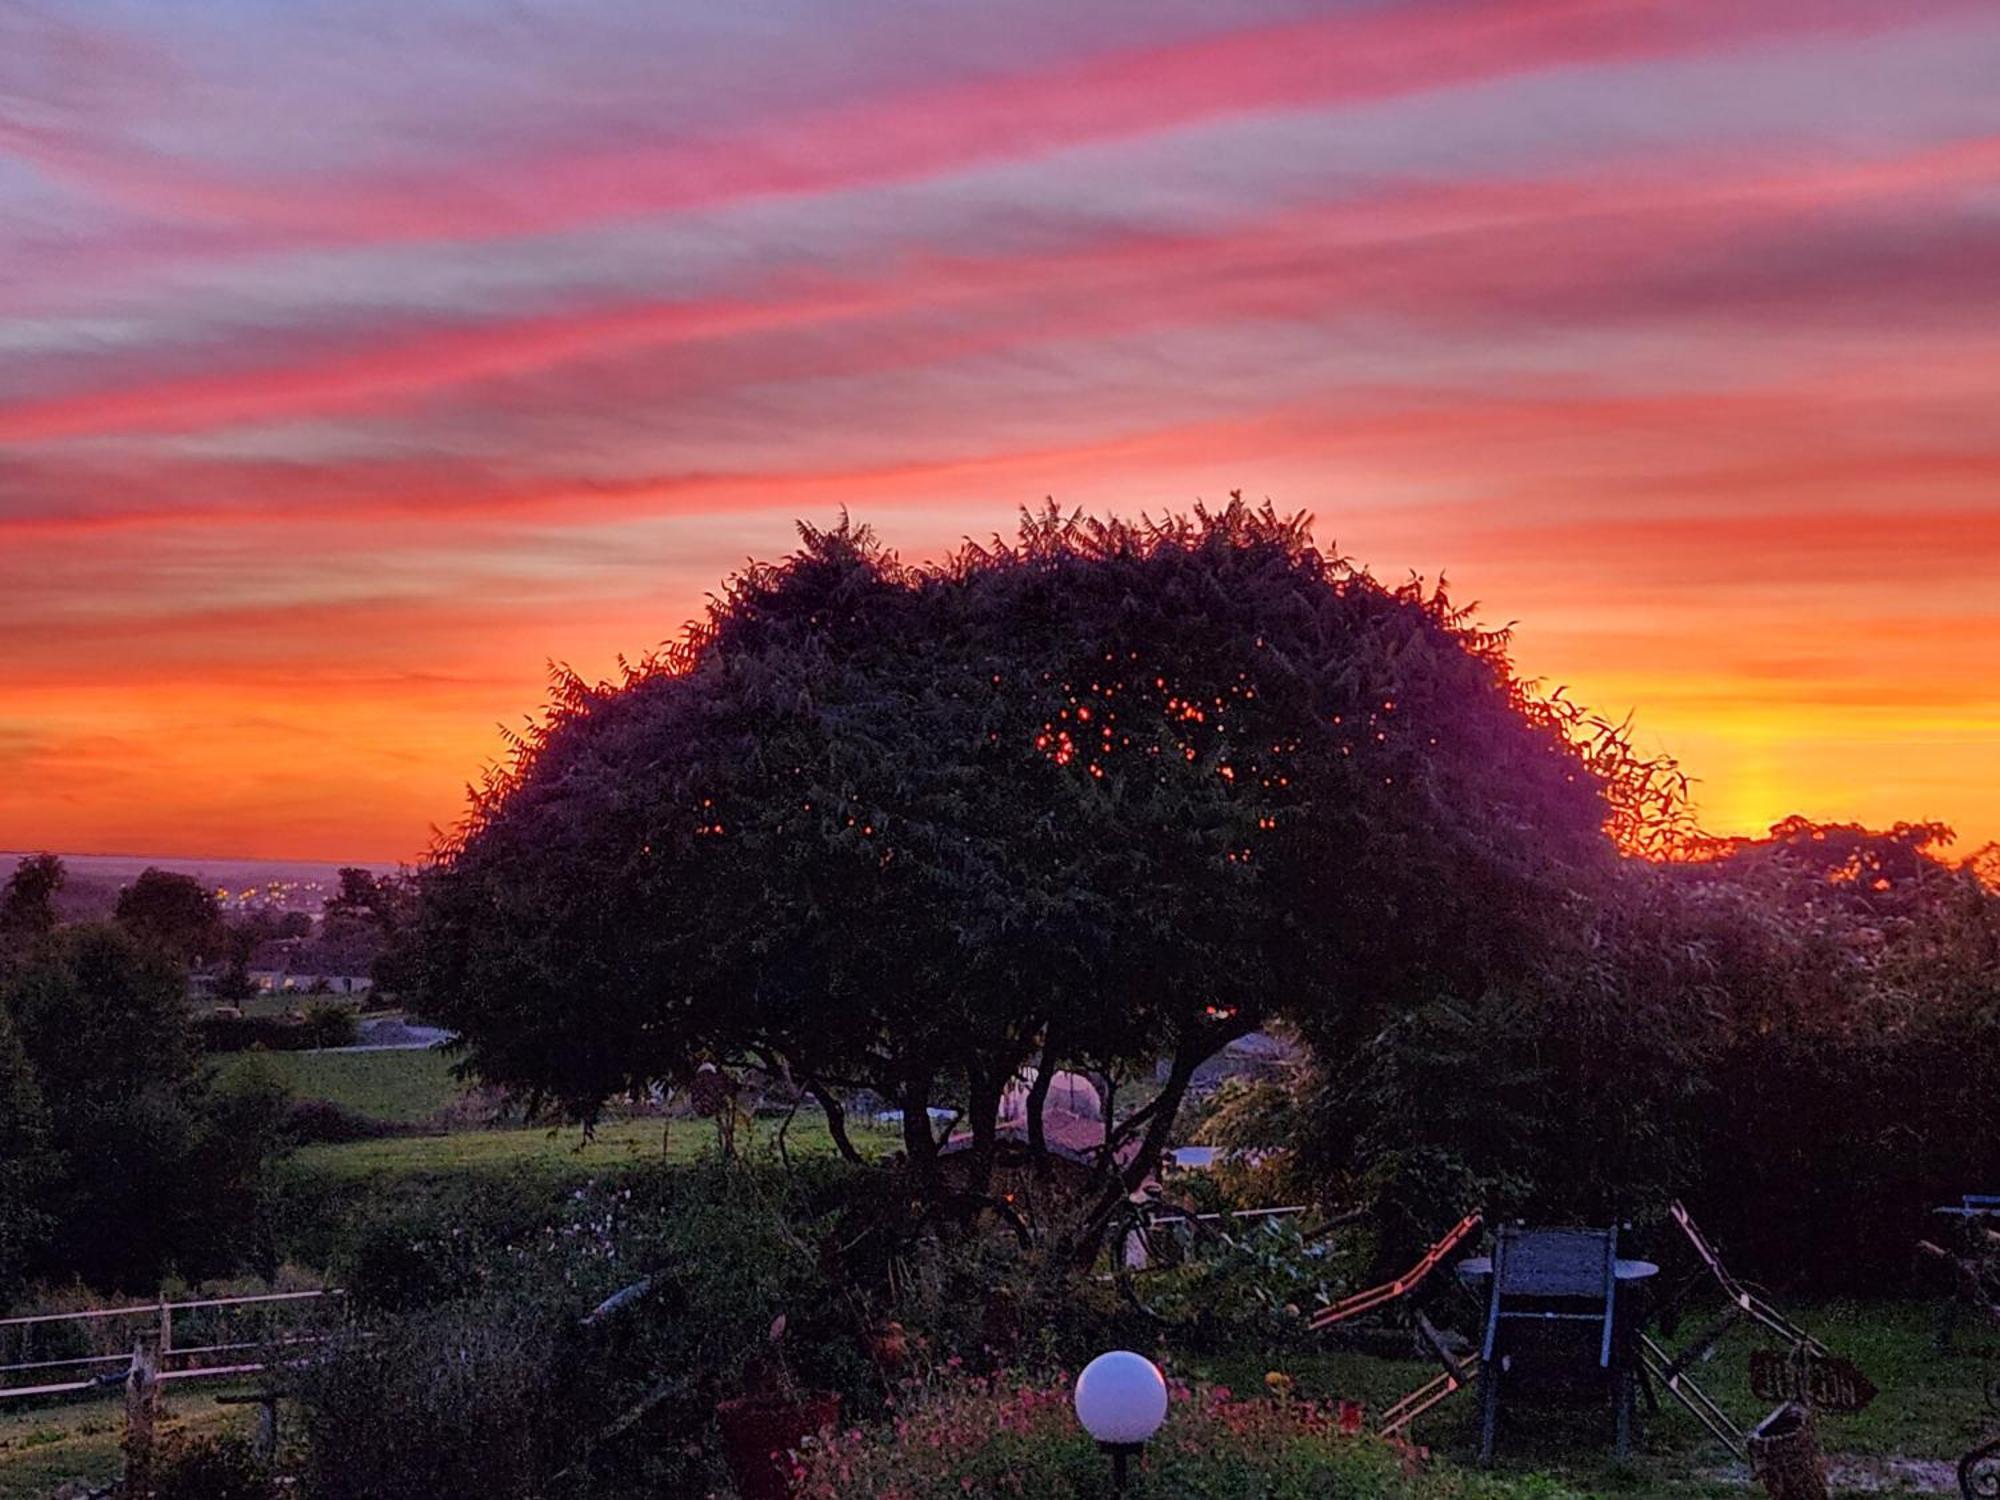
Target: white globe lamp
x=1121, y=1399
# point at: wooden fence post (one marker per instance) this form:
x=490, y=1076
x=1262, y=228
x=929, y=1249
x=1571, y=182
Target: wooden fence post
x=142, y=1387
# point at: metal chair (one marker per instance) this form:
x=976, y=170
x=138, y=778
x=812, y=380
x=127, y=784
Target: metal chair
x=1548, y=1276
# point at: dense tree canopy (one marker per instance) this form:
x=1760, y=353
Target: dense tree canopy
x=139, y=1165
x=366, y=899
x=24, y=1162
x=172, y=912
x=1112, y=793
x=28, y=902
x=1798, y=1034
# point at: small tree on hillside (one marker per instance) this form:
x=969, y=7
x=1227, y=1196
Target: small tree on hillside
x=28, y=904
x=234, y=986
x=1114, y=793
x=174, y=913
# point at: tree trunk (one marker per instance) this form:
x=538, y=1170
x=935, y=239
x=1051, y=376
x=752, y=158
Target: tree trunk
x=1121, y=1181
x=983, y=1105
x=836, y=1119
x=1038, y=1098
x=918, y=1143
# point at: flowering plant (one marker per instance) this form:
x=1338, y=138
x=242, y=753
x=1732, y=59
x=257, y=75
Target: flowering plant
x=1001, y=1437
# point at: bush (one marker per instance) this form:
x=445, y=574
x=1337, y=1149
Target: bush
x=722, y=1250
x=993, y=1438
x=1798, y=1040
x=711, y=1255
x=984, y=1300
x=502, y=1280
x=1253, y=1284
x=26, y=1164
x=322, y=1025
x=453, y=1404
x=333, y=1024
x=324, y=1122
x=211, y=1468
x=404, y=1263
x=243, y=1033
x=148, y=1166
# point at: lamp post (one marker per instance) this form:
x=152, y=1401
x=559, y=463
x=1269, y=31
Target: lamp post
x=1121, y=1399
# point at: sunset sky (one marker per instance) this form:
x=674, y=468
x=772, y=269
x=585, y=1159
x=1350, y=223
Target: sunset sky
x=356, y=359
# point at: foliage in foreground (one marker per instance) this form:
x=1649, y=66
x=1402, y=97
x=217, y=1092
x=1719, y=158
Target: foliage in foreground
x=709, y=1256
x=437, y=1405
x=1000, y=1438
x=210, y=1467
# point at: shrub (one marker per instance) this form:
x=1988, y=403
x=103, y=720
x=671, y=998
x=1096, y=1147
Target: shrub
x=210, y=1468
x=322, y=1025
x=447, y=1404
x=507, y=1279
x=152, y=1167
x=333, y=1025
x=400, y=1265
x=1255, y=1282
x=1797, y=1038
x=25, y=1162
x=721, y=1249
x=244, y=1033
x=323, y=1121
x=996, y=1438
x=983, y=1299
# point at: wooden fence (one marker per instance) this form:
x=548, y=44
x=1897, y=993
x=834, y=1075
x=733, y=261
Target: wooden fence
x=115, y=1332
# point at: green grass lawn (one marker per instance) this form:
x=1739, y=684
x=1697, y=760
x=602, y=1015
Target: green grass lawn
x=560, y=1153
x=43, y=1446
x=325, y=1196
x=1930, y=1408
x=402, y=1087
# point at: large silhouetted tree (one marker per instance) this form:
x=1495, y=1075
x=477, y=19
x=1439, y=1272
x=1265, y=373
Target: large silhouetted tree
x=1111, y=794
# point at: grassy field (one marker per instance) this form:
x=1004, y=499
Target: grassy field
x=556, y=1153
x=42, y=1447
x=402, y=1087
